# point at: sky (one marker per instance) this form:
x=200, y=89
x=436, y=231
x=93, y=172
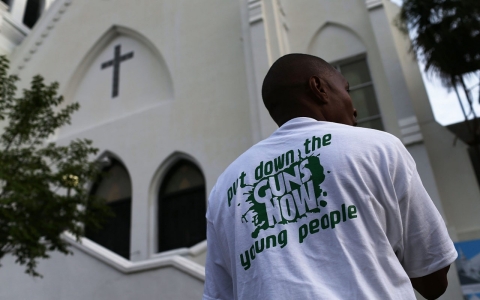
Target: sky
x=445, y=104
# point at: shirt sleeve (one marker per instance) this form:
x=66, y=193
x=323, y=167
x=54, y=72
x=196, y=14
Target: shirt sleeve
x=427, y=246
x=218, y=281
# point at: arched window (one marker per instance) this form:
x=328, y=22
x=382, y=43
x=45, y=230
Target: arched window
x=33, y=10
x=181, y=207
x=115, y=187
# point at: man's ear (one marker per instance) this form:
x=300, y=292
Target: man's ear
x=317, y=87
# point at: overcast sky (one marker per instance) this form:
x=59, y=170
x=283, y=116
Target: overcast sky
x=445, y=104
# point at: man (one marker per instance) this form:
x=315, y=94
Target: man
x=321, y=209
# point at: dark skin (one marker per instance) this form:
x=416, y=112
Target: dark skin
x=310, y=92
x=322, y=94
x=433, y=285
x=317, y=103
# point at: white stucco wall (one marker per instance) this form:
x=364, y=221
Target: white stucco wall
x=202, y=110
x=84, y=277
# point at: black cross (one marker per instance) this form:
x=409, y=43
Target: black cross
x=115, y=62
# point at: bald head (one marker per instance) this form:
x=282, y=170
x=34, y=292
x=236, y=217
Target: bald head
x=288, y=90
x=289, y=76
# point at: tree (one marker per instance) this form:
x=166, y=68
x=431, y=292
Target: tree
x=42, y=185
x=447, y=39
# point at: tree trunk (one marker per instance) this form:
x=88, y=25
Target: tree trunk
x=454, y=84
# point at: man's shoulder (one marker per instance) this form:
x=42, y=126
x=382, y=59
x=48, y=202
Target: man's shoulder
x=306, y=124
x=366, y=140
x=344, y=138
x=366, y=137
x=347, y=129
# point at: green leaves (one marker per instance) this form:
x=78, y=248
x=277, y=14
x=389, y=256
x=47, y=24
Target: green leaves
x=42, y=185
x=447, y=35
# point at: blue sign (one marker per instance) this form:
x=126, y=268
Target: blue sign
x=468, y=268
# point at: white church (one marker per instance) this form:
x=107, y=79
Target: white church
x=170, y=93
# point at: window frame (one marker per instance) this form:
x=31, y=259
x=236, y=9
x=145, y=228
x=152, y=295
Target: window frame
x=163, y=181
x=338, y=66
x=109, y=161
x=41, y=8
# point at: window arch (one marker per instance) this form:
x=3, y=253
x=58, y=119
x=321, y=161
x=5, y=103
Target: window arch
x=33, y=10
x=114, y=185
x=181, y=207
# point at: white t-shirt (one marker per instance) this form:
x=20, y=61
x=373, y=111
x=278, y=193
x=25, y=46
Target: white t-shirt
x=321, y=210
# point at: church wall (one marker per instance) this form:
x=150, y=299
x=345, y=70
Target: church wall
x=206, y=116
x=82, y=276
x=12, y=31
